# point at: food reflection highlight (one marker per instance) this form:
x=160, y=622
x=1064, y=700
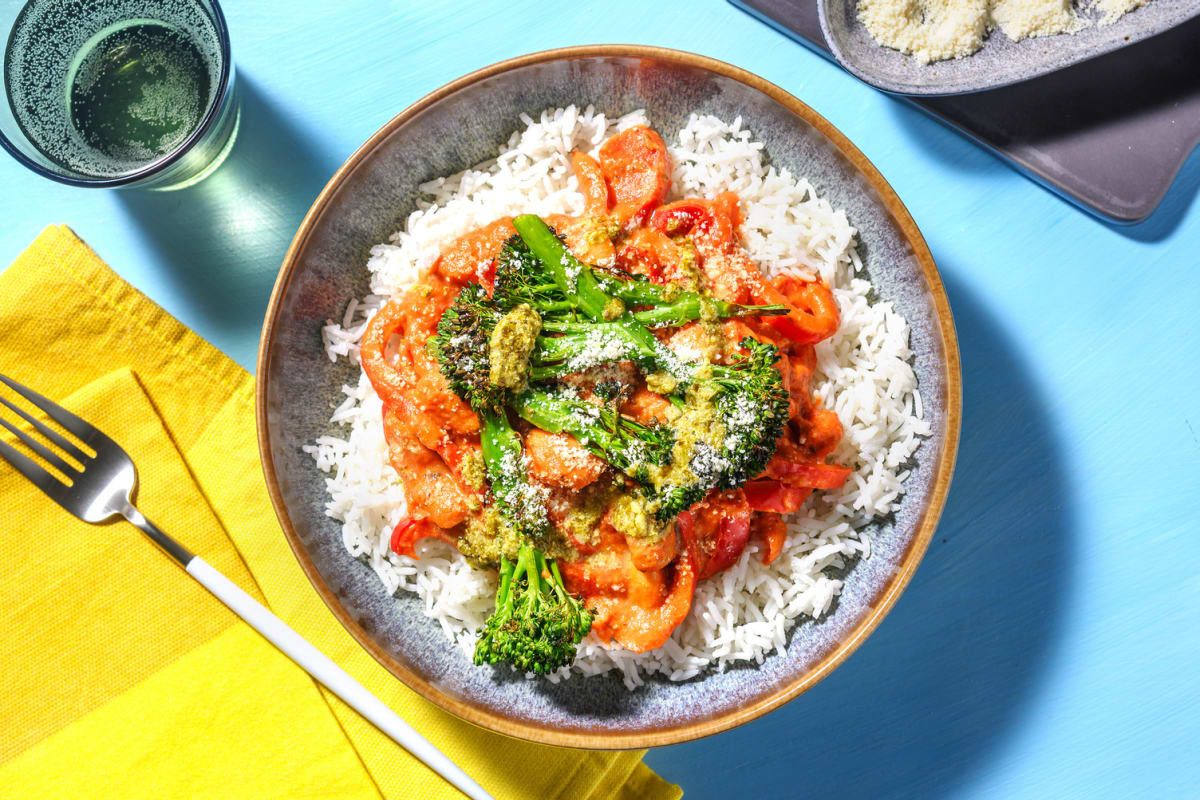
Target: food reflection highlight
x=641, y=400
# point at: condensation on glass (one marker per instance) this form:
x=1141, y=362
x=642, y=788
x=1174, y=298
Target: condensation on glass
x=118, y=92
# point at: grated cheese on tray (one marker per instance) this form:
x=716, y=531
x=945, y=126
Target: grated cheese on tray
x=936, y=30
x=931, y=30
x=1113, y=10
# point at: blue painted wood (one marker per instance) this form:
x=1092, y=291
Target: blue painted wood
x=1048, y=646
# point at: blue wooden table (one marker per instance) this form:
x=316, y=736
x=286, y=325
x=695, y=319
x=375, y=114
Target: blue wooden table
x=1050, y=643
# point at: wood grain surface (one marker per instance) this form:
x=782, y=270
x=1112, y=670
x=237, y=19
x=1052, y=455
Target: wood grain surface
x=1048, y=645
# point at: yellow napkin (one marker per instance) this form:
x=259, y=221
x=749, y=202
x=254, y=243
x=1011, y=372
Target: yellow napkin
x=122, y=677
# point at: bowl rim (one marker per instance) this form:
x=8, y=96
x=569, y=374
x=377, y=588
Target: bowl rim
x=885, y=598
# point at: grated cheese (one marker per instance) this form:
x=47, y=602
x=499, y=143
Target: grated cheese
x=930, y=30
x=1022, y=19
x=936, y=30
x=1113, y=10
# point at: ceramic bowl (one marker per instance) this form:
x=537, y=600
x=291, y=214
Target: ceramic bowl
x=461, y=124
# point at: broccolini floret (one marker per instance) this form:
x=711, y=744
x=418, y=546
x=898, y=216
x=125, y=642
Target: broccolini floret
x=752, y=404
x=742, y=408
x=537, y=624
x=461, y=347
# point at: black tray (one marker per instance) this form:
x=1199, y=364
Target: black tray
x=1109, y=134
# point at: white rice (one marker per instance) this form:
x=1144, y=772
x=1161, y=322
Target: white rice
x=863, y=373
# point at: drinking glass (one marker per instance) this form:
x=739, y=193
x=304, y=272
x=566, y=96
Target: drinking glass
x=118, y=92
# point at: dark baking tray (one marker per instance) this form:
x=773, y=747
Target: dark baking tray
x=1108, y=134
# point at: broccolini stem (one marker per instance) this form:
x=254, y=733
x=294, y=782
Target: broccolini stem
x=499, y=443
x=673, y=305
x=502, y=459
x=528, y=563
x=685, y=309
x=618, y=440
x=551, y=308
x=539, y=566
x=550, y=414
x=572, y=345
x=690, y=308
x=576, y=279
x=543, y=374
x=559, y=587
x=504, y=593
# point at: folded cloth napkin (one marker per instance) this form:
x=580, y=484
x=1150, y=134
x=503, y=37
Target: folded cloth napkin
x=123, y=677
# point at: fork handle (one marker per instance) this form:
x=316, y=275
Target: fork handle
x=336, y=679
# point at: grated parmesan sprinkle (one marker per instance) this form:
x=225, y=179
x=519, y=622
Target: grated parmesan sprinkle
x=936, y=30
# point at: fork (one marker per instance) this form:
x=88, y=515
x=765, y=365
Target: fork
x=102, y=490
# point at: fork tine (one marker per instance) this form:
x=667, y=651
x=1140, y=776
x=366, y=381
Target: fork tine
x=46, y=481
x=56, y=412
x=45, y=452
x=51, y=434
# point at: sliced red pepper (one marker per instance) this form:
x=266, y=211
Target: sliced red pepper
x=801, y=364
x=701, y=219
x=591, y=184
x=812, y=476
x=648, y=252
x=722, y=526
x=816, y=313
x=409, y=531
x=773, y=531
x=775, y=496
x=733, y=533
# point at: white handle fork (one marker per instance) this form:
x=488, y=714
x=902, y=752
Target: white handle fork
x=336, y=679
